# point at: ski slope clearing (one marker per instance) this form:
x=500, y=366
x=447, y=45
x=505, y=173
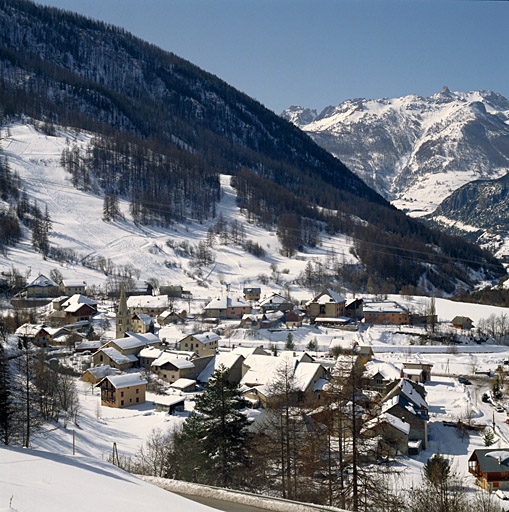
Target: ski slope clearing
x=49, y=482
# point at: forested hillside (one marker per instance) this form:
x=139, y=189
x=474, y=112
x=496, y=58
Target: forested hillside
x=166, y=129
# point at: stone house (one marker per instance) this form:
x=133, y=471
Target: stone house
x=462, y=322
x=70, y=287
x=203, y=344
x=38, y=334
x=390, y=436
x=327, y=304
x=227, y=308
x=42, y=286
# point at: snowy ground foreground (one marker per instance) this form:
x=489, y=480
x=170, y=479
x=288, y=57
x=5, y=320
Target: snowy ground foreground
x=47, y=482
x=78, y=225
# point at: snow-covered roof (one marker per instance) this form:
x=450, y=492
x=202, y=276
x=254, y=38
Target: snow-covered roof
x=206, y=337
x=42, y=281
x=226, y=359
x=68, y=283
x=183, y=383
x=145, y=319
x=305, y=373
x=245, y=351
x=383, y=307
x=328, y=296
x=89, y=345
x=225, y=302
x=117, y=356
x=409, y=391
x=128, y=343
x=503, y=455
x=150, y=353
x=274, y=299
x=101, y=371
x=126, y=381
x=147, y=301
x=392, y=420
x=177, y=361
x=29, y=329
x=387, y=370
x=169, y=399
x=148, y=337
x=75, y=302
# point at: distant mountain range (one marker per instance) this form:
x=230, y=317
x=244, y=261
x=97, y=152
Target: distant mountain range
x=415, y=151
x=166, y=130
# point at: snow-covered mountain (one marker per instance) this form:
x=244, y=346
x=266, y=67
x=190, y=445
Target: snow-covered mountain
x=415, y=151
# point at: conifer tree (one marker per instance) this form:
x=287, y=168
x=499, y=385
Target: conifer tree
x=213, y=439
x=6, y=405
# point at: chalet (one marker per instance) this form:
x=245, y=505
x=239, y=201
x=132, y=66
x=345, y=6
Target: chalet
x=293, y=319
x=227, y=308
x=406, y=402
x=462, y=322
x=34, y=333
x=152, y=305
x=148, y=355
x=114, y=358
x=169, y=404
x=261, y=320
x=275, y=302
x=97, y=373
x=123, y=390
x=385, y=313
x=380, y=376
x=170, y=367
x=419, y=369
x=133, y=343
x=78, y=308
x=390, y=435
x=204, y=344
x=490, y=468
x=327, y=304
x=252, y=294
x=260, y=372
x=141, y=323
x=228, y=360
x=42, y=286
x=170, y=316
x=69, y=287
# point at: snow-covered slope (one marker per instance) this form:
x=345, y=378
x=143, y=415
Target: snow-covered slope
x=78, y=225
x=413, y=150
x=47, y=482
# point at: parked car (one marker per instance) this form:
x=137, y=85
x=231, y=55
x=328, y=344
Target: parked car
x=463, y=380
x=499, y=408
x=485, y=398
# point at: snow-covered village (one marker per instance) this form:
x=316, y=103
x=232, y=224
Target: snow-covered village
x=205, y=305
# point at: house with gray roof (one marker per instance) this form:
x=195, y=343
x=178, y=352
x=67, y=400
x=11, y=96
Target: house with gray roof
x=490, y=466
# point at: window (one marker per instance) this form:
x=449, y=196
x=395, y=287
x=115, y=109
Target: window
x=122, y=393
x=101, y=357
x=137, y=391
x=121, y=402
x=137, y=399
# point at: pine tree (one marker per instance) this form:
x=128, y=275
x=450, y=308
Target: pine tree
x=214, y=437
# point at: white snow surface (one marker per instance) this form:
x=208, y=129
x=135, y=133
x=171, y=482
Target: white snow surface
x=47, y=482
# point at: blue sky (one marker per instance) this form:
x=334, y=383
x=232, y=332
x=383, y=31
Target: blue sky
x=321, y=52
